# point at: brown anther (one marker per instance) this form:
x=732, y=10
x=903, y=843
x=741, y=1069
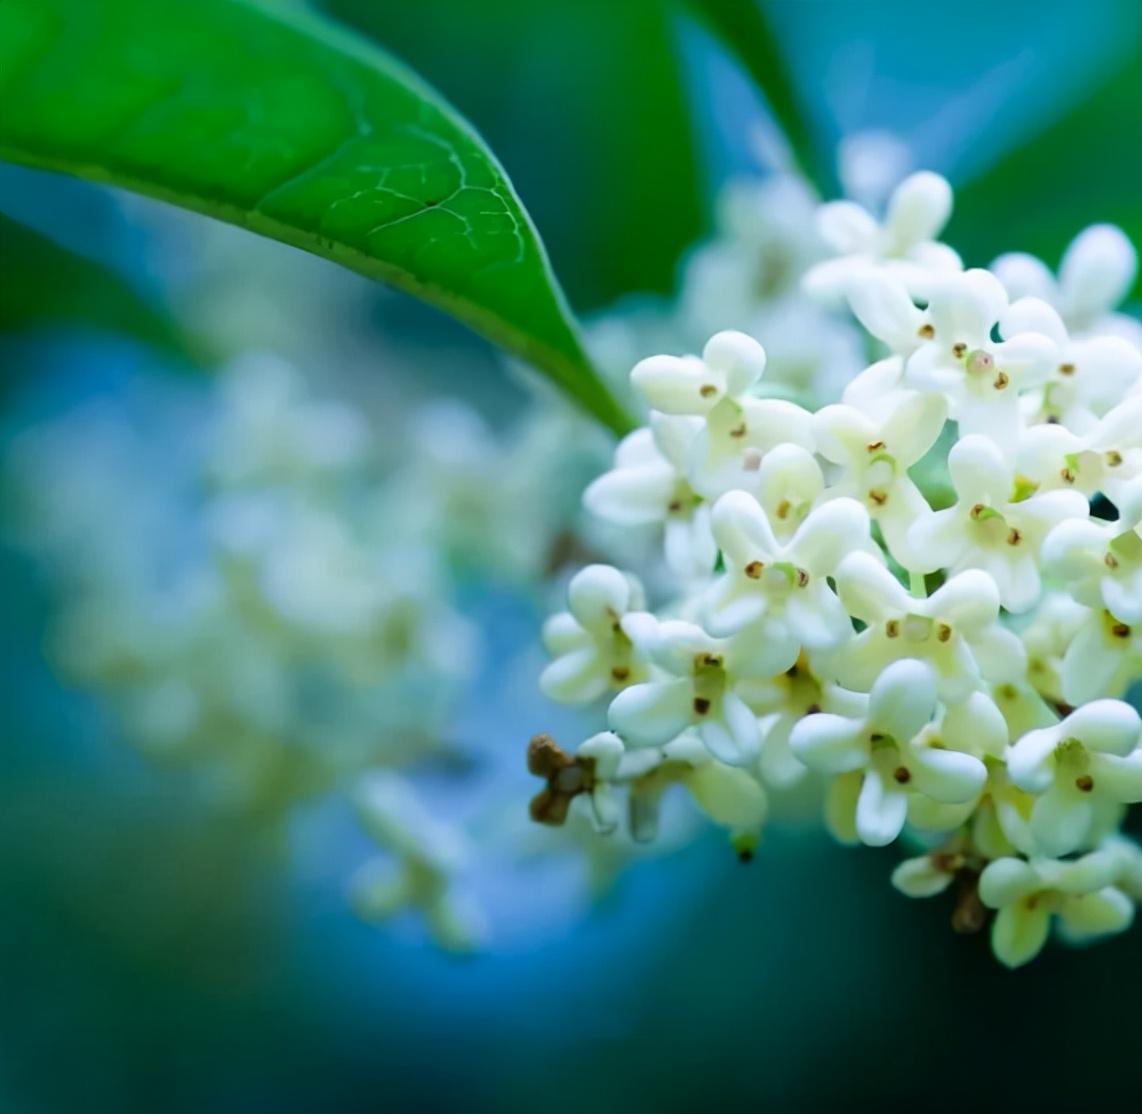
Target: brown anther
x=707, y=389
x=802, y=577
x=674, y=506
x=875, y=446
x=545, y=757
x=977, y=510
x=620, y=672
x=1120, y=630
x=959, y=349
x=1066, y=369
x=1067, y=476
x=754, y=570
x=892, y=628
x=1085, y=783
x=738, y=430
x=875, y=737
x=1001, y=380
x=1013, y=536
x=813, y=709
x=714, y=661
x=902, y=775
x=878, y=497
x=783, y=509
x=926, y=331
x=943, y=632
x=701, y=705
x=1052, y=419
x=1113, y=458
x=566, y=778
x=1110, y=561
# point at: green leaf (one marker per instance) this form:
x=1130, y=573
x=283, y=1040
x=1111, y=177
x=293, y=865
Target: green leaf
x=1083, y=168
x=744, y=30
x=602, y=128
x=286, y=125
x=43, y=284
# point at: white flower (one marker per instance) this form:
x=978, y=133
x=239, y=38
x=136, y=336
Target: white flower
x=1053, y=626
x=883, y=751
x=1095, y=275
x=980, y=377
x=874, y=454
x=904, y=244
x=1092, y=374
x=698, y=690
x=604, y=751
x=738, y=429
x=1088, y=759
x=728, y=795
x=1106, y=458
x=789, y=482
x=993, y=526
x=1100, y=562
x=424, y=857
x=593, y=651
x=1027, y=894
x=1103, y=657
x=648, y=486
x=783, y=585
x=955, y=630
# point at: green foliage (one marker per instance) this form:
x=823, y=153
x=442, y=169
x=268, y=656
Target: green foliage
x=288, y=126
x=42, y=284
x=744, y=30
x=1085, y=167
x=585, y=104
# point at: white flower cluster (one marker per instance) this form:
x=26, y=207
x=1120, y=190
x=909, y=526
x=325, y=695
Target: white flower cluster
x=929, y=592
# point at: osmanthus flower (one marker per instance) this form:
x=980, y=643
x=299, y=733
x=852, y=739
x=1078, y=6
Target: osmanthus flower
x=1092, y=374
x=696, y=687
x=591, y=773
x=593, y=651
x=955, y=630
x=972, y=726
x=648, y=487
x=783, y=585
x=1106, y=458
x=789, y=483
x=1046, y=637
x=1102, y=659
x=423, y=858
x=980, y=377
x=1091, y=759
x=881, y=757
x=781, y=702
x=730, y=796
x=737, y=428
x=1095, y=276
x=873, y=452
x=904, y=244
x=995, y=525
x=1100, y=562
x=1028, y=894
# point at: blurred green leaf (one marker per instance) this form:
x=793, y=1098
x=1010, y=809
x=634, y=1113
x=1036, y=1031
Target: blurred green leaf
x=1085, y=167
x=585, y=103
x=42, y=283
x=744, y=30
x=288, y=126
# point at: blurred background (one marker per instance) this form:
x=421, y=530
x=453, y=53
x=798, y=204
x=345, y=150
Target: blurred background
x=174, y=931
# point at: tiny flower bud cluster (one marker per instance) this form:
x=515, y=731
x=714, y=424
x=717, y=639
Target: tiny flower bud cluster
x=927, y=592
